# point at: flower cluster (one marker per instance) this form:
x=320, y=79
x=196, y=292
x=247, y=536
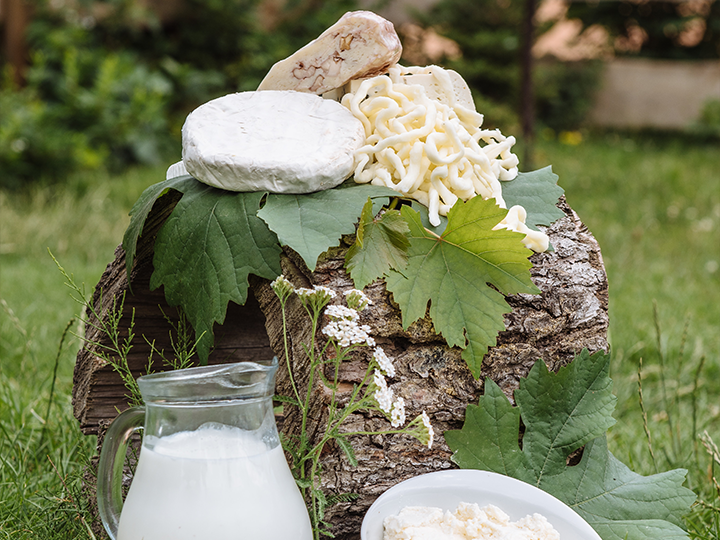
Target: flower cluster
x=345, y=335
x=315, y=298
x=420, y=428
x=383, y=362
x=356, y=299
x=385, y=398
x=282, y=287
x=383, y=395
x=345, y=330
x=344, y=327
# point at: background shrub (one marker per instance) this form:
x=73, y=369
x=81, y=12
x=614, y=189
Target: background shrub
x=487, y=33
x=110, y=84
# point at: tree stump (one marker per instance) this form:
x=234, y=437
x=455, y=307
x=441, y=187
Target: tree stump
x=569, y=315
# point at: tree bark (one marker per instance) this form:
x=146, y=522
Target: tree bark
x=570, y=314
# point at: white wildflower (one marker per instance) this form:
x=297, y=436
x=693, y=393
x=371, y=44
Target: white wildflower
x=428, y=426
x=316, y=292
x=282, y=287
x=397, y=416
x=422, y=429
x=320, y=289
x=304, y=293
x=383, y=395
x=316, y=298
x=337, y=313
x=357, y=299
x=346, y=332
x=386, y=365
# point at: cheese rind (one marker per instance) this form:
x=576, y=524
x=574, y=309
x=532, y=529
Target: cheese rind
x=282, y=142
x=361, y=44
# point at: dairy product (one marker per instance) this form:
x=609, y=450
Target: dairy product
x=277, y=141
x=468, y=522
x=215, y=483
x=430, y=149
x=361, y=44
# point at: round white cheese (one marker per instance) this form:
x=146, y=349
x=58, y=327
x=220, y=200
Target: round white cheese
x=277, y=141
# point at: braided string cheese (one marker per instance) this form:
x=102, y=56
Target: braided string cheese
x=430, y=150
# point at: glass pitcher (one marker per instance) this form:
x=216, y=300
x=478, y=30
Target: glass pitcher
x=211, y=466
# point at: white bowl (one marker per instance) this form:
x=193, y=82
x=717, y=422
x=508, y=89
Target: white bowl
x=446, y=489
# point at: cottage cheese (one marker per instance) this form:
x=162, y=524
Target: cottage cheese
x=468, y=522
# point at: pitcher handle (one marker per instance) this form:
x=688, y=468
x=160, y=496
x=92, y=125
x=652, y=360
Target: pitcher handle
x=110, y=468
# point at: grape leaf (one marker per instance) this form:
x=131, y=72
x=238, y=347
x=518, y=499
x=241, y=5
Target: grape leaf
x=562, y=412
x=312, y=223
x=499, y=423
x=425, y=217
x=620, y=504
x=579, y=399
x=452, y=272
x=538, y=193
x=141, y=210
x=380, y=244
x=205, y=251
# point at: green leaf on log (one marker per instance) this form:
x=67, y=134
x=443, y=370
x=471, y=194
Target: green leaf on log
x=380, y=244
x=562, y=412
x=141, y=209
x=453, y=272
x=205, y=251
x=538, y=193
x=311, y=224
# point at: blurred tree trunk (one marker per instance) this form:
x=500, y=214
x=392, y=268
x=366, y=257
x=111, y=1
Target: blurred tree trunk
x=527, y=94
x=15, y=16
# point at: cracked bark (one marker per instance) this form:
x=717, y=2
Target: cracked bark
x=570, y=314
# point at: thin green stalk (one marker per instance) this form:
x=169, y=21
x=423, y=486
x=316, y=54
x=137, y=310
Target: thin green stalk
x=313, y=366
x=663, y=384
x=696, y=385
x=336, y=377
x=644, y=415
x=287, y=351
x=54, y=380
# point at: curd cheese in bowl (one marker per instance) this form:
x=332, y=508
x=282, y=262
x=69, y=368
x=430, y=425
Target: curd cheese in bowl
x=468, y=522
x=475, y=496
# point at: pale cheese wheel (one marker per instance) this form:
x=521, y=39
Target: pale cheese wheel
x=276, y=141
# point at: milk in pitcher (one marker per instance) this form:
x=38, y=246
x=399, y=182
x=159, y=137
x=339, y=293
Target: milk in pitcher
x=214, y=483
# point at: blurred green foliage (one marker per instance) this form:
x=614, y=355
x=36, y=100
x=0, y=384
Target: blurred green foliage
x=668, y=29
x=487, y=32
x=708, y=125
x=565, y=91
x=109, y=84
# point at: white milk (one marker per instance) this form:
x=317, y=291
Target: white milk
x=215, y=483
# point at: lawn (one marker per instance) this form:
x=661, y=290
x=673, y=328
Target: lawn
x=653, y=204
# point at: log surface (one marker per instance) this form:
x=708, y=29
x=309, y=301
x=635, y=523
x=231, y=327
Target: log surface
x=569, y=315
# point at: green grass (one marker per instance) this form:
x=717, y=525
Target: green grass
x=653, y=204
x=42, y=456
